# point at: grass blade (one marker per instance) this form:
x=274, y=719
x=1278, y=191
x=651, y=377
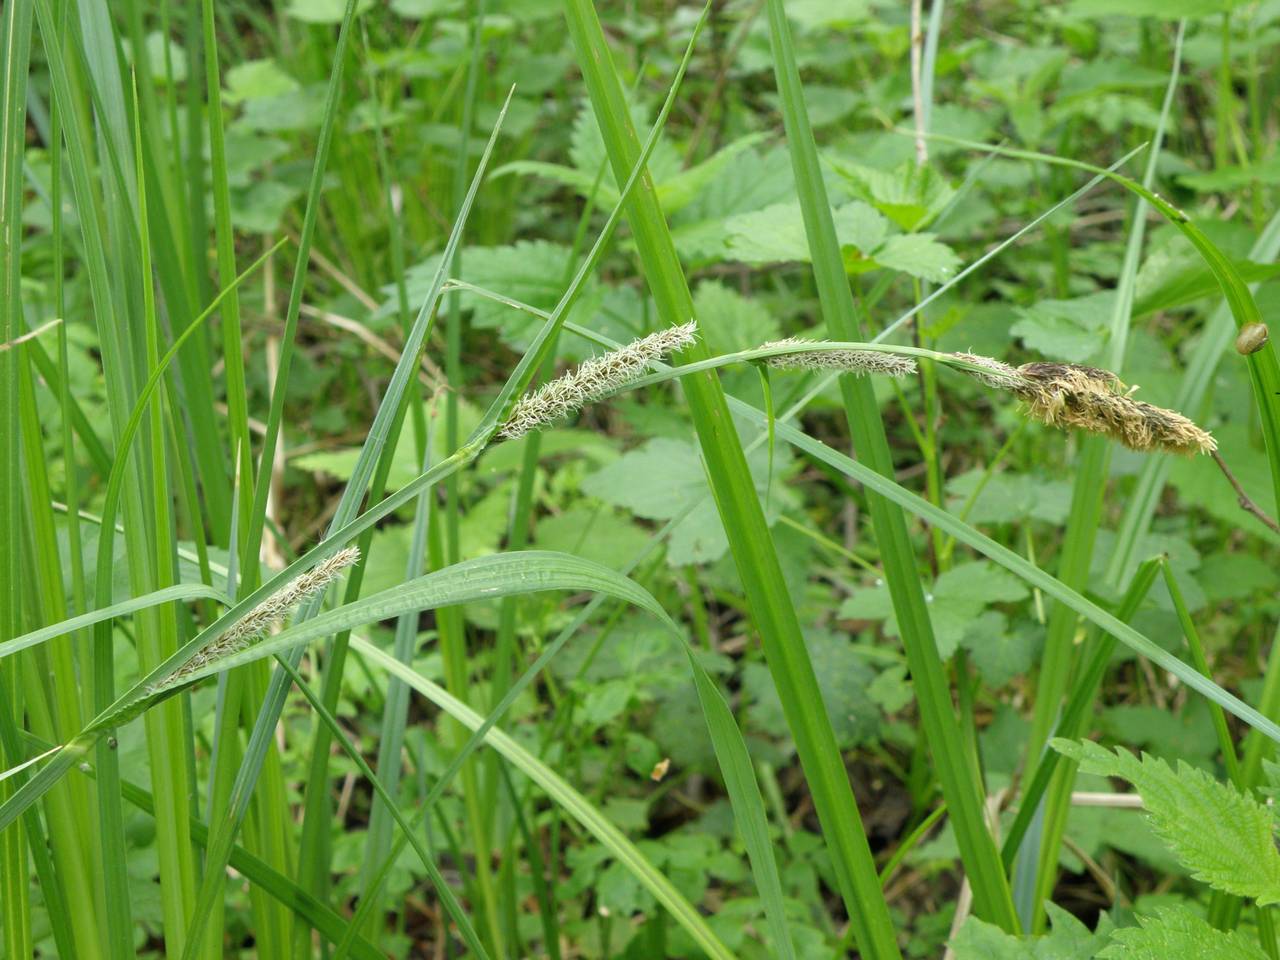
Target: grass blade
x=566, y=796
x=750, y=541
x=960, y=779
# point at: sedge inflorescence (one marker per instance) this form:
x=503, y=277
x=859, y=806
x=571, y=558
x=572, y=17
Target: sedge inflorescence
x=851, y=361
x=594, y=380
x=254, y=625
x=1074, y=396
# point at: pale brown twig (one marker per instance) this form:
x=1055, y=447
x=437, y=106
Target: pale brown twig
x=1241, y=497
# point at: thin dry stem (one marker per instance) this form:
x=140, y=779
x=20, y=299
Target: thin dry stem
x=1245, y=501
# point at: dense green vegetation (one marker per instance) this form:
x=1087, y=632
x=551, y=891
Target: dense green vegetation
x=834, y=595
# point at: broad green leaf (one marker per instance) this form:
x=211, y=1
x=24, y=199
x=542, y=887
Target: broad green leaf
x=1160, y=9
x=1200, y=482
x=664, y=477
x=323, y=11
x=596, y=534
x=825, y=15
x=752, y=180
x=1069, y=330
x=424, y=9
x=918, y=255
x=844, y=676
x=261, y=207
x=776, y=235
x=1069, y=939
x=1233, y=177
x=729, y=321
x=256, y=80
x=1177, y=932
x=909, y=195
x=1010, y=497
x=1192, y=281
x=1226, y=839
x=957, y=599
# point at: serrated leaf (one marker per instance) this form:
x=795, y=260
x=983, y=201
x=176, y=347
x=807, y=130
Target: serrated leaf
x=255, y=79
x=918, y=255
x=323, y=11
x=728, y=321
x=1177, y=932
x=1161, y=9
x=955, y=602
x=909, y=195
x=664, y=477
x=1068, y=939
x=844, y=677
x=1010, y=498
x=752, y=180
x=261, y=207
x=531, y=272
x=776, y=233
x=999, y=652
x=1222, y=836
x=1068, y=330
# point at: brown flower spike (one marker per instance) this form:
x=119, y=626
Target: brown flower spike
x=1073, y=396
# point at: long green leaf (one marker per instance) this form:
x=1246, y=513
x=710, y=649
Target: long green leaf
x=750, y=541
x=581, y=809
x=955, y=763
x=491, y=577
x=179, y=591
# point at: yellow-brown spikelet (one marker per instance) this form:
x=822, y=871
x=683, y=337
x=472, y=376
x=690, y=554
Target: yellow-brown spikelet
x=594, y=380
x=852, y=361
x=271, y=611
x=1070, y=395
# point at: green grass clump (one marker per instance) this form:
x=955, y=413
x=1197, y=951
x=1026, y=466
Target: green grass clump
x=524, y=480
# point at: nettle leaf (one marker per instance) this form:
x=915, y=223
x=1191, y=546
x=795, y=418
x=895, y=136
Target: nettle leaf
x=1010, y=497
x=844, y=677
x=596, y=534
x=423, y=9
x=1069, y=330
x=729, y=321
x=776, y=234
x=1000, y=651
x=256, y=79
x=1232, y=177
x=1222, y=836
x=261, y=207
x=1161, y=9
x=530, y=271
x=323, y=11
x=1068, y=939
x=751, y=180
x=1201, y=483
x=956, y=603
x=665, y=476
x=1177, y=932
x=810, y=15
x=909, y=195
x=676, y=187
x=300, y=109
x=918, y=255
